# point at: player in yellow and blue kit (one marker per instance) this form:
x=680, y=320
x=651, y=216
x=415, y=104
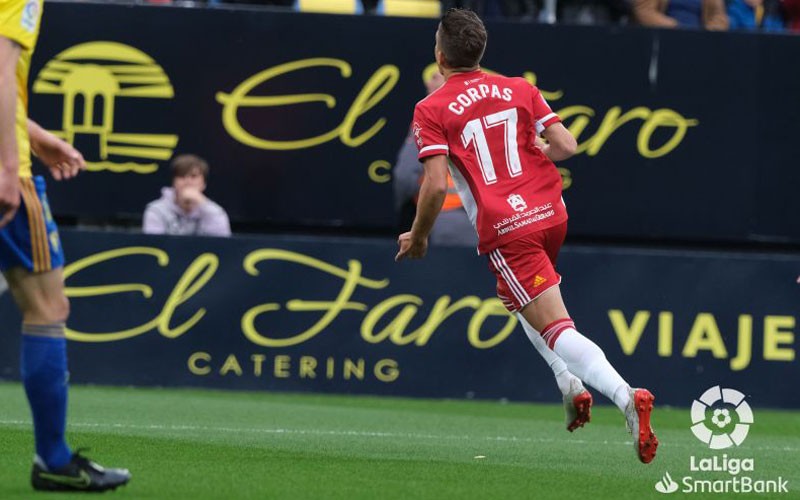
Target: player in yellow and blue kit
x=31, y=259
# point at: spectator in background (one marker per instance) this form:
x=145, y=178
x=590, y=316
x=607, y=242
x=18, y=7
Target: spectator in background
x=473, y=5
x=708, y=14
x=452, y=227
x=183, y=209
x=742, y=13
x=520, y=10
x=594, y=11
x=771, y=18
x=791, y=10
x=278, y=3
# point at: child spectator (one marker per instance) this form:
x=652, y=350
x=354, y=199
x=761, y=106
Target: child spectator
x=183, y=209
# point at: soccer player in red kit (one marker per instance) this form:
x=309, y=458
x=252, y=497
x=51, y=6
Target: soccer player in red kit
x=489, y=127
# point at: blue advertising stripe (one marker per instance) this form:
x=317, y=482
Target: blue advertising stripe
x=334, y=315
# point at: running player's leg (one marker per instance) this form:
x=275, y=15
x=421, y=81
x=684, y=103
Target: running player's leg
x=525, y=261
x=577, y=400
x=564, y=377
x=586, y=360
x=509, y=295
x=548, y=314
x=512, y=267
x=551, y=241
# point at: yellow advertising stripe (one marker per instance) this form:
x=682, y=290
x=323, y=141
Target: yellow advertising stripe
x=143, y=79
x=69, y=67
x=114, y=68
x=43, y=87
x=41, y=232
x=141, y=152
x=51, y=74
x=26, y=184
x=61, y=65
x=139, y=69
x=153, y=140
x=412, y=8
x=104, y=51
x=161, y=91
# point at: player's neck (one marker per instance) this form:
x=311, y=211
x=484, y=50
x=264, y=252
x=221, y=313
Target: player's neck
x=448, y=72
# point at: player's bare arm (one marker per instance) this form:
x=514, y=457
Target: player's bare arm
x=432, y=192
x=9, y=157
x=59, y=156
x=560, y=142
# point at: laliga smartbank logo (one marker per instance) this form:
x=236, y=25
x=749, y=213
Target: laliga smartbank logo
x=666, y=485
x=94, y=78
x=721, y=418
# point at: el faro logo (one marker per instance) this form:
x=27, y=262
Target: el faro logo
x=92, y=78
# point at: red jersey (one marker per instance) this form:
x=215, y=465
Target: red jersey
x=487, y=124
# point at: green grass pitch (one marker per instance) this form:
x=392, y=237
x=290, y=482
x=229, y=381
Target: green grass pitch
x=199, y=444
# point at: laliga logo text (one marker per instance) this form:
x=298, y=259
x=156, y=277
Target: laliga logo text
x=721, y=418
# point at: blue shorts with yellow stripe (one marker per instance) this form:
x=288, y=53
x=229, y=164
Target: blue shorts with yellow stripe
x=31, y=239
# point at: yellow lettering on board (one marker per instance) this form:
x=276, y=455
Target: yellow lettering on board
x=196, y=276
x=352, y=278
x=282, y=366
x=308, y=366
x=628, y=336
x=744, y=351
x=705, y=336
x=492, y=307
x=387, y=370
x=665, y=333
x=194, y=366
x=375, y=90
x=777, y=333
x=231, y=365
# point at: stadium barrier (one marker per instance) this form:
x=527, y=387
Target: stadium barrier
x=301, y=119
x=340, y=316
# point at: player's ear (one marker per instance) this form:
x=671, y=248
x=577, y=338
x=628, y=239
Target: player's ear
x=440, y=60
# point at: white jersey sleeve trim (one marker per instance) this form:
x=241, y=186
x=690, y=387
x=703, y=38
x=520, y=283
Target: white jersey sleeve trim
x=540, y=123
x=434, y=147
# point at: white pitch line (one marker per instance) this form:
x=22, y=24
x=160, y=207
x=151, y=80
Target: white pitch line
x=351, y=433
x=313, y=432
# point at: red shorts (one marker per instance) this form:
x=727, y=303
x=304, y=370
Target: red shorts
x=525, y=267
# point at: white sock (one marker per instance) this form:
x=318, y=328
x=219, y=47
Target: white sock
x=586, y=360
x=563, y=376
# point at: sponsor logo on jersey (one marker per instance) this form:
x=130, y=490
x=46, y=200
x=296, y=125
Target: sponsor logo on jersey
x=538, y=281
x=30, y=16
x=517, y=202
x=417, y=130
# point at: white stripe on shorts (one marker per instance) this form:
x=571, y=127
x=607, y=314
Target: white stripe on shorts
x=524, y=293
x=513, y=284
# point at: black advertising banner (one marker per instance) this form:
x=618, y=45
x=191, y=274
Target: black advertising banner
x=334, y=315
x=682, y=134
